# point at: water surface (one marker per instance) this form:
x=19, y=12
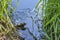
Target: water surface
x=33, y=21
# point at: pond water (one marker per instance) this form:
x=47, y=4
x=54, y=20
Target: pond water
x=24, y=4
x=32, y=19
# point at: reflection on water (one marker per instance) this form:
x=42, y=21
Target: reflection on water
x=33, y=20
x=33, y=24
x=23, y=4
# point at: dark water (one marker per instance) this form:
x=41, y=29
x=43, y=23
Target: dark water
x=33, y=19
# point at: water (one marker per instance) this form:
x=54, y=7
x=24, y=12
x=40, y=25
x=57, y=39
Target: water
x=33, y=19
x=23, y=4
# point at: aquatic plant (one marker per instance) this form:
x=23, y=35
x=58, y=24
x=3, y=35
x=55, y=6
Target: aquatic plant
x=7, y=29
x=51, y=19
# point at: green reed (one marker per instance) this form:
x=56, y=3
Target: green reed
x=51, y=19
x=7, y=29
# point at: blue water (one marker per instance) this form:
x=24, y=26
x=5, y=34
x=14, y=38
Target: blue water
x=32, y=19
x=23, y=4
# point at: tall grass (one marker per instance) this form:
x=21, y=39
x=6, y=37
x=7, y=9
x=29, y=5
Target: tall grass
x=7, y=29
x=51, y=19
